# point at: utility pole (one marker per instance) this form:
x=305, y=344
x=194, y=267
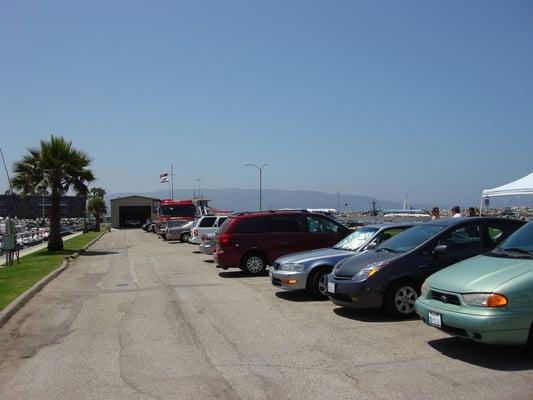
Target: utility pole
x=260, y=169
x=374, y=211
x=5, y=167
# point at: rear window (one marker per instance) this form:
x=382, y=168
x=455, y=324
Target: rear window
x=249, y=225
x=207, y=222
x=286, y=223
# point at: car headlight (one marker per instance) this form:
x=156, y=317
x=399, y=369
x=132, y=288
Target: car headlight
x=295, y=267
x=368, y=271
x=424, y=289
x=485, y=299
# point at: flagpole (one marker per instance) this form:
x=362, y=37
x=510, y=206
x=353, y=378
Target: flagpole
x=172, y=179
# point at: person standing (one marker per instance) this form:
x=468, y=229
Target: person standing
x=435, y=213
x=456, y=212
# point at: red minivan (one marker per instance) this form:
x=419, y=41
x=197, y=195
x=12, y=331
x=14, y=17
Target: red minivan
x=253, y=240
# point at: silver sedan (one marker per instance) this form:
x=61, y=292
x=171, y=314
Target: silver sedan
x=309, y=270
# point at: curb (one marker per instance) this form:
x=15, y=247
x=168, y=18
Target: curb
x=20, y=301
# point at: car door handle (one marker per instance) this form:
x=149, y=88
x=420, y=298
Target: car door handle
x=423, y=266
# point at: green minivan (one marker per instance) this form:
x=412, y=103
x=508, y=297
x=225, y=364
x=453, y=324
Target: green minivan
x=487, y=298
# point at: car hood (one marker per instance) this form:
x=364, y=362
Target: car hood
x=351, y=265
x=480, y=274
x=314, y=255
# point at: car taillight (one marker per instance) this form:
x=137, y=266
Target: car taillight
x=225, y=238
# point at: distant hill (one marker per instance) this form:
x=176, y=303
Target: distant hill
x=248, y=199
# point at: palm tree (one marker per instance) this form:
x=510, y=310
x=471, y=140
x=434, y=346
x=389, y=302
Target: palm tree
x=96, y=204
x=55, y=167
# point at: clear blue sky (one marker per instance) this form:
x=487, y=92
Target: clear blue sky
x=376, y=98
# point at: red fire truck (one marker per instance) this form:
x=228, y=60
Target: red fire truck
x=171, y=210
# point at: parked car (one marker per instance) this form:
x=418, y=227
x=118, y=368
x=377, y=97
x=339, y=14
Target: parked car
x=133, y=223
x=391, y=275
x=251, y=241
x=309, y=270
x=167, y=225
x=488, y=298
x=146, y=225
x=180, y=231
x=205, y=225
x=91, y=226
x=67, y=230
x=208, y=244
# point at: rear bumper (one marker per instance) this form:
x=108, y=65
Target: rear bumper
x=206, y=249
x=225, y=259
x=195, y=240
x=487, y=326
x=289, y=280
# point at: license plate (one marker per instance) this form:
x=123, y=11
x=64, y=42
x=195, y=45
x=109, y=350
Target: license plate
x=331, y=287
x=435, y=319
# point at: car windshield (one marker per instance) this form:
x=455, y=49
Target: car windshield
x=410, y=239
x=520, y=242
x=355, y=240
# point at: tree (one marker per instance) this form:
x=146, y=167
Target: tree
x=97, y=192
x=96, y=205
x=56, y=167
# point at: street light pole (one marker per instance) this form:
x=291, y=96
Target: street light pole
x=260, y=169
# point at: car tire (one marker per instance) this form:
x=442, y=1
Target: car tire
x=400, y=298
x=184, y=238
x=317, y=284
x=254, y=264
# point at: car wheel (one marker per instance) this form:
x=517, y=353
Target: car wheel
x=400, y=299
x=318, y=283
x=185, y=237
x=254, y=264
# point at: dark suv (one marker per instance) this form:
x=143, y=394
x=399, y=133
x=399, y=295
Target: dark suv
x=251, y=241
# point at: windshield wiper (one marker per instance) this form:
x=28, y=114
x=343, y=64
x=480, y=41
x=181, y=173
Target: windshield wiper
x=387, y=249
x=517, y=250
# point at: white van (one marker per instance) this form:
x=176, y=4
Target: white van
x=204, y=226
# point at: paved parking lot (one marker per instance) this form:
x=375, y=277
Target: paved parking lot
x=139, y=318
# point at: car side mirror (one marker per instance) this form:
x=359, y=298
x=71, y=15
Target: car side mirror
x=440, y=249
x=371, y=246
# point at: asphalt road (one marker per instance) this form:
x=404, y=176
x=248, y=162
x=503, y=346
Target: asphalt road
x=139, y=318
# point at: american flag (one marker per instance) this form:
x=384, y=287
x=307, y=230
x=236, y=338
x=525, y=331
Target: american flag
x=163, y=178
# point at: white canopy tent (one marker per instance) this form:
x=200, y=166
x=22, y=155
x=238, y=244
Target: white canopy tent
x=520, y=187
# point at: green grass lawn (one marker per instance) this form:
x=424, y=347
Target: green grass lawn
x=16, y=279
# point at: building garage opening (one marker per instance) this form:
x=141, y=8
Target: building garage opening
x=130, y=216
x=133, y=208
